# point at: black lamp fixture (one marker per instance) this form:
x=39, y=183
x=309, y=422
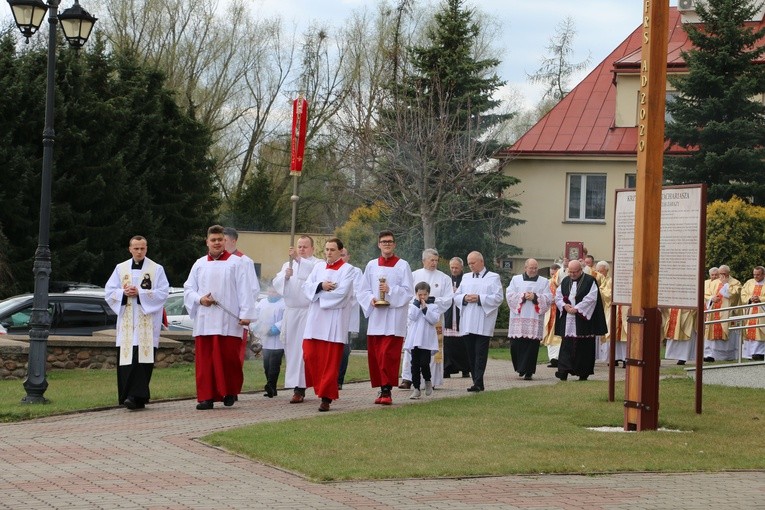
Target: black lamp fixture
x=28, y=15
x=76, y=24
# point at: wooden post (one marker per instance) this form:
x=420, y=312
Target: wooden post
x=641, y=404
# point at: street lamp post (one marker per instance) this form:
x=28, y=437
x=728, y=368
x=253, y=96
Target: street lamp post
x=76, y=24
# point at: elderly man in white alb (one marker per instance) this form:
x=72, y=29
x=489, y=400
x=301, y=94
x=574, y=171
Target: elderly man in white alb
x=137, y=291
x=478, y=298
x=528, y=297
x=289, y=283
x=441, y=290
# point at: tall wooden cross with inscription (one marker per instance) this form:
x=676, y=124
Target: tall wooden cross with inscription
x=641, y=402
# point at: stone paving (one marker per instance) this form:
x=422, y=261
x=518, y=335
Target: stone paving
x=152, y=460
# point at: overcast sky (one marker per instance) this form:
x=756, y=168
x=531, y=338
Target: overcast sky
x=529, y=24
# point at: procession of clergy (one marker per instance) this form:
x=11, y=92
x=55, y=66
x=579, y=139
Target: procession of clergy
x=442, y=328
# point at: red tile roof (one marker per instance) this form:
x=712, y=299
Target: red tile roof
x=583, y=122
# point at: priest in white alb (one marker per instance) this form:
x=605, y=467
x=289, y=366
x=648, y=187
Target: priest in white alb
x=329, y=287
x=289, y=283
x=528, y=298
x=137, y=291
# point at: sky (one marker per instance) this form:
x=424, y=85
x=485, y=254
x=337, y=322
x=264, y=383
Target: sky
x=601, y=25
x=527, y=25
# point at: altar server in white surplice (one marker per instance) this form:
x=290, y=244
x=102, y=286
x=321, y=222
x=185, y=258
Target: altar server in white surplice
x=330, y=289
x=440, y=289
x=528, y=297
x=218, y=296
x=137, y=291
x=289, y=283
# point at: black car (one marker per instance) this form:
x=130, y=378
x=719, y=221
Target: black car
x=72, y=313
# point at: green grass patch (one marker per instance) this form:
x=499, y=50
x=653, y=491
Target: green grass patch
x=81, y=389
x=541, y=429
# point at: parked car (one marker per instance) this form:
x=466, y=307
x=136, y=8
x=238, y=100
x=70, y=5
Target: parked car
x=78, y=312
x=177, y=317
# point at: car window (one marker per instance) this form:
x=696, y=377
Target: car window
x=75, y=315
x=20, y=319
x=174, y=305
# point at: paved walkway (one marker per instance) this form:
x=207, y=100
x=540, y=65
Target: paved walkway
x=151, y=460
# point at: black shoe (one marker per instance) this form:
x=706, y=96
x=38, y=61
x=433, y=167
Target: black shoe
x=681, y=362
x=474, y=388
x=447, y=376
x=758, y=357
x=709, y=359
x=205, y=404
x=465, y=374
x=270, y=391
x=130, y=403
x=583, y=377
x=553, y=363
x=561, y=375
x=527, y=377
x=229, y=400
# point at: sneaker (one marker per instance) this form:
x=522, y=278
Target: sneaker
x=385, y=398
x=415, y=394
x=378, y=400
x=428, y=388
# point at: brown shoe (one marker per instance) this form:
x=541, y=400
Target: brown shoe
x=324, y=406
x=297, y=398
x=405, y=385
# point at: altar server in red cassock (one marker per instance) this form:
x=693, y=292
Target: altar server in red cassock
x=218, y=296
x=329, y=287
x=391, y=278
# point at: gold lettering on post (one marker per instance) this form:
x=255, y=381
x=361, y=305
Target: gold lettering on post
x=646, y=22
x=642, y=98
x=642, y=129
x=644, y=81
x=641, y=145
x=642, y=114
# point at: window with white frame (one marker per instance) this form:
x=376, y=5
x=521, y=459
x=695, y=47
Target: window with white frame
x=586, y=197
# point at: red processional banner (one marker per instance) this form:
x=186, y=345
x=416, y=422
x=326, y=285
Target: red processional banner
x=297, y=145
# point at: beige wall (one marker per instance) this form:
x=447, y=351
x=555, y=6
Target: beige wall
x=542, y=194
x=270, y=249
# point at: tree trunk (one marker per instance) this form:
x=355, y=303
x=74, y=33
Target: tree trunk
x=428, y=231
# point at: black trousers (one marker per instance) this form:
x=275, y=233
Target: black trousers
x=478, y=354
x=272, y=365
x=420, y=366
x=133, y=380
x=344, y=364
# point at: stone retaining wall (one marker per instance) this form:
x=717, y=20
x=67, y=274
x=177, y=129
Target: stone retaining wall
x=94, y=352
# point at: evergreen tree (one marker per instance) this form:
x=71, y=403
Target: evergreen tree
x=718, y=115
x=432, y=170
x=127, y=161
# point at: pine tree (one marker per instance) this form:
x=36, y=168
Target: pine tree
x=718, y=115
x=433, y=173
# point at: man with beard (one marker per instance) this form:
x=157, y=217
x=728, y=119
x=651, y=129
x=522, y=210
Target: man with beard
x=580, y=319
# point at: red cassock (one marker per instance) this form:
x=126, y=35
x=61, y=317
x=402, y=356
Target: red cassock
x=218, y=366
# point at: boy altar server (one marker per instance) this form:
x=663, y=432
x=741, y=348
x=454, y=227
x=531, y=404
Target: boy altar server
x=329, y=287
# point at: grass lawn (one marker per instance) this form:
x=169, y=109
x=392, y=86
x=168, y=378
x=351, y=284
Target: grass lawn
x=542, y=429
x=82, y=389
